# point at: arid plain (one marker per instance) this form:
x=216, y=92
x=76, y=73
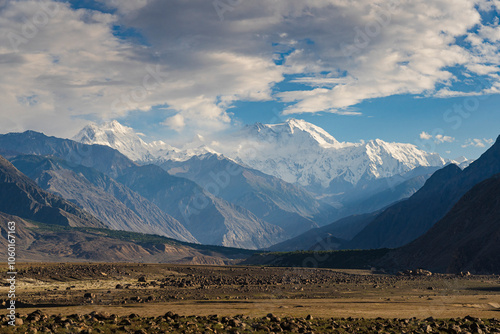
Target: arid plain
x=116, y=298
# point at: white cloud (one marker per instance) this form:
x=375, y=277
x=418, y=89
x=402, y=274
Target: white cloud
x=444, y=139
x=72, y=67
x=438, y=138
x=426, y=136
x=368, y=48
x=175, y=122
x=476, y=142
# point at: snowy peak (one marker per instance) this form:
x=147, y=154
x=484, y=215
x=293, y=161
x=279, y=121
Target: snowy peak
x=107, y=133
x=117, y=136
x=461, y=162
x=300, y=130
x=302, y=153
x=127, y=141
x=295, y=151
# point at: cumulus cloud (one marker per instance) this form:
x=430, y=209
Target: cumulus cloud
x=424, y=135
x=476, y=142
x=444, y=139
x=72, y=67
x=62, y=66
x=438, y=138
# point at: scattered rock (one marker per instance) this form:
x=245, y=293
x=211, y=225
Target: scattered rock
x=89, y=295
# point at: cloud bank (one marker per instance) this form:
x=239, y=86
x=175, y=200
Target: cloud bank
x=62, y=66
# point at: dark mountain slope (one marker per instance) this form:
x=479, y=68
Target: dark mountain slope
x=466, y=239
x=103, y=158
x=175, y=196
x=22, y=197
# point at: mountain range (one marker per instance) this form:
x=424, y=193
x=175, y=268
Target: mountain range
x=407, y=220
x=49, y=228
x=208, y=219
x=243, y=194
x=54, y=243
x=295, y=151
x=101, y=196
x=302, y=153
x=269, y=198
x=466, y=239
x=327, y=180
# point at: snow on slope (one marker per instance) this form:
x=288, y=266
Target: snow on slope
x=128, y=142
x=295, y=151
x=299, y=152
x=461, y=162
x=117, y=136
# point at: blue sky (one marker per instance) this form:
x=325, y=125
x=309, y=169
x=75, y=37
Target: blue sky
x=420, y=72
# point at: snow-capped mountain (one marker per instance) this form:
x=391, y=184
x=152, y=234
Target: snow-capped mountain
x=295, y=151
x=117, y=136
x=128, y=142
x=302, y=153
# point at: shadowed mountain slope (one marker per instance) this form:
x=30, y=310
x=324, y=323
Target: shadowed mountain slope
x=466, y=239
x=21, y=196
x=113, y=203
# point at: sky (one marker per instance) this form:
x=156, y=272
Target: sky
x=422, y=72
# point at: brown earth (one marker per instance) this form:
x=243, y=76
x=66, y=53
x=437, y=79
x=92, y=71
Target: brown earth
x=152, y=290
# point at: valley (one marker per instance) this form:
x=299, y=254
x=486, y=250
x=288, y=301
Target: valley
x=229, y=166
x=167, y=298
x=209, y=244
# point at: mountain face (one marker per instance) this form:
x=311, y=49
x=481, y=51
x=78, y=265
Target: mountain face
x=127, y=142
x=20, y=196
x=221, y=223
x=269, y=198
x=211, y=220
x=409, y=219
x=329, y=237
x=389, y=196
x=339, y=233
x=114, y=204
x=299, y=152
x=103, y=158
x=117, y=136
x=466, y=239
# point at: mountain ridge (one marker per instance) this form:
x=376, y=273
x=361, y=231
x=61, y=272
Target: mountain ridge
x=112, y=202
x=295, y=151
x=407, y=220
x=268, y=197
x=114, y=164
x=21, y=196
x=35, y=242
x=465, y=239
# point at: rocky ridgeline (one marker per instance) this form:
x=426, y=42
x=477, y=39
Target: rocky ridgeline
x=97, y=322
